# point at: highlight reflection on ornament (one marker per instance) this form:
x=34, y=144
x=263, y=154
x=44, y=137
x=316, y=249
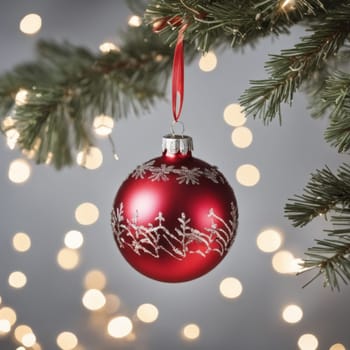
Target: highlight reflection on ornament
x=175, y=217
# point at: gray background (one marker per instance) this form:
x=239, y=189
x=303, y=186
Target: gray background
x=44, y=208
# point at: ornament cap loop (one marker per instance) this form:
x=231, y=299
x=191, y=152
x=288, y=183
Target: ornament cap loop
x=173, y=144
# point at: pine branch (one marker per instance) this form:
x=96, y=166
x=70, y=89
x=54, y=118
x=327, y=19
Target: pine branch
x=69, y=85
x=325, y=192
x=215, y=23
x=331, y=257
x=336, y=97
x=294, y=66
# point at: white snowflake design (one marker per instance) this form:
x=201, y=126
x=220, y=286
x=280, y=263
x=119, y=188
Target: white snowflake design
x=155, y=238
x=214, y=175
x=140, y=171
x=160, y=174
x=187, y=176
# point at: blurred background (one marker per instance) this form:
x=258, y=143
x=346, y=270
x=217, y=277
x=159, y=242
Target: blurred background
x=64, y=284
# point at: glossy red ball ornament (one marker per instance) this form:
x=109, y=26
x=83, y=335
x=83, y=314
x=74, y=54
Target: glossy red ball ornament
x=175, y=217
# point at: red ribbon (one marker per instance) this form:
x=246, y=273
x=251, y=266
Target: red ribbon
x=178, y=74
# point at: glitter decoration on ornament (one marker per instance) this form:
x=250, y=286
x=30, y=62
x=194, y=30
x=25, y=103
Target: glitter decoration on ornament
x=186, y=175
x=145, y=239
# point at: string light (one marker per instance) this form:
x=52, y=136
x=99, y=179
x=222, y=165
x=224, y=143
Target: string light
x=28, y=340
x=135, y=21
x=9, y=315
x=21, y=331
x=95, y=279
x=21, y=97
x=337, y=346
x=19, y=171
x=86, y=213
x=308, y=342
x=119, y=327
x=94, y=299
x=112, y=303
x=68, y=259
x=292, y=313
x=12, y=136
x=288, y=5
x=17, y=279
x=5, y=326
x=67, y=340
x=147, y=313
x=73, y=239
x=208, y=62
x=91, y=158
x=248, y=175
x=30, y=24
x=269, y=240
x=231, y=287
x=242, y=137
x=191, y=331
x=103, y=125
x=283, y=262
x=21, y=242
x=108, y=47
x=234, y=115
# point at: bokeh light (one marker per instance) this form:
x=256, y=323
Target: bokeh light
x=28, y=339
x=292, y=313
x=37, y=346
x=21, y=242
x=95, y=279
x=12, y=136
x=108, y=46
x=337, y=346
x=234, y=115
x=19, y=171
x=119, y=327
x=308, y=342
x=135, y=21
x=5, y=326
x=231, y=287
x=285, y=262
x=103, y=125
x=73, y=239
x=21, y=97
x=86, y=213
x=90, y=159
x=68, y=259
x=17, y=279
x=7, y=123
x=8, y=314
x=208, y=62
x=30, y=24
x=191, y=331
x=248, y=175
x=242, y=137
x=112, y=303
x=147, y=313
x=94, y=299
x=269, y=240
x=67, y=340
x=21, y=331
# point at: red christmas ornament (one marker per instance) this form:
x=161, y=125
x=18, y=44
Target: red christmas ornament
x=175, y=217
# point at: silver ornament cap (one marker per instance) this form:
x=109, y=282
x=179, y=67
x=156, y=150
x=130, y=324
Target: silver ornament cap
x=173, y=144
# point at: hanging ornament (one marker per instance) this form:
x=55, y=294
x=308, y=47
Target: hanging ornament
x=175, y=217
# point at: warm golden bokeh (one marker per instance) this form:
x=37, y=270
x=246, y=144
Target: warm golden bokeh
x=147, y=313
x=191, y=331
